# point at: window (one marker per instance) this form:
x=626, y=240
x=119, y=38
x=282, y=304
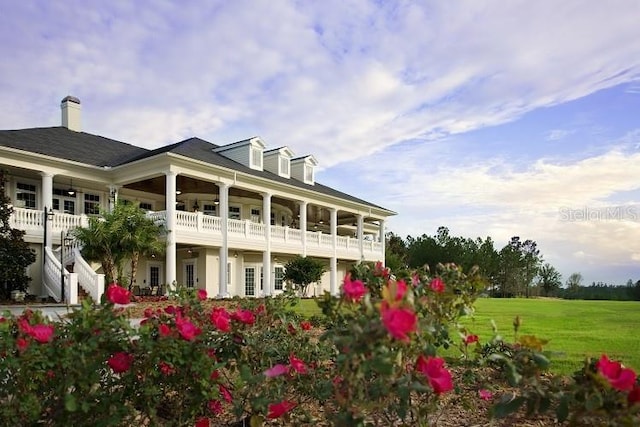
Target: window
x=26, y=196
x=91, y=204
x=210, y=210
x=284, y=166
x=234, y=212
x=154, y=275
x=190, y=274
x=63, y=202
x=273, y=218
x=279, y=278
x=261, y=278
x=308, y=173
x=146, y=206
x=256, y=158
x=250, y=281
x=255, y=214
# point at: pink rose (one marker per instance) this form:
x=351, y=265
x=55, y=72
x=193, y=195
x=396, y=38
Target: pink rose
x=244, y=316
x=202, y=294
x=120, y=362
x=437, y=285
x=41, y=333
x=297, y=364
x=399, y=321
x=353, y=289
x=276, y=371
x=278, y=409
x=470, y=339
x=485, y=394
x=221, y=319
x=116, y=294
x=433, y=369
x=188, y=331
x=619, y=377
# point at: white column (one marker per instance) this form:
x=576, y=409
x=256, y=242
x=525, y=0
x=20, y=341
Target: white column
x=333, y=269
x=382, y=240
x=170, y=197
x=361, y=236
x=303, y=226
x=47, y=204
x=266, y=255
x=224, y=250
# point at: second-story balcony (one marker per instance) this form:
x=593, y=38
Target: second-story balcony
x=198, y=229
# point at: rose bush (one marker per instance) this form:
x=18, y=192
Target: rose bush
x=373, y=361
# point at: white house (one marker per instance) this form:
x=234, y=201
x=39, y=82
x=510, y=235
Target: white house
x=234, y=214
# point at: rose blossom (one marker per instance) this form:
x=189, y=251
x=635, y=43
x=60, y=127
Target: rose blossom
x=244, y=316
x=276, y=371
x=305, y=325
x=353, y=289
x=187, y=330
x=433, y=369
x=215, y=406
x=297, y=364
x=485, y=394
x=202, y=294
x=380, y=270
x=634, y=395
x=41, y=333
x=470, y=339
x=22, y=344
x=437, y=285
x=619, y=377
x=120, y=362
x=116, y=294
x=220, y=319
x=278, y=409
x=226, y=395
x=164, y=330
x=203, y=422
x=398, y=321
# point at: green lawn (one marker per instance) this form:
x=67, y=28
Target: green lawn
x=574, y=328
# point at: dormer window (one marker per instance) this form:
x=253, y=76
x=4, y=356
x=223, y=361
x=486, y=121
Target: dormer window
x=308, y=173
x=247, y=152
x=303, y=169
x=284, y=166
x=278, y=161
x=256, y=158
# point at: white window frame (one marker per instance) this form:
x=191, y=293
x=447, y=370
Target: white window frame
x=275, y=278
x=256, y=158
x=97, y=202
x=160, y=273
x=254, y=268
x=36, y=190
x=255, y=217
x=239, y=207
x=190, y=262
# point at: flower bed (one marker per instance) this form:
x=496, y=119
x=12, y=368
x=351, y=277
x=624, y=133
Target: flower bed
x=372, y=359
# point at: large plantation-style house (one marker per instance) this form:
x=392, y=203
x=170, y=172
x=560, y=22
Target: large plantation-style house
x=233, y=214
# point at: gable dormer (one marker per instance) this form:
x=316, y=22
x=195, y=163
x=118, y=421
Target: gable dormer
x=247, y=152
x=278, y=161
x=303, y=169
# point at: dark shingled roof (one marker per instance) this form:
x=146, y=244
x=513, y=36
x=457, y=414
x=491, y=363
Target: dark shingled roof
x=96, y=150
x=66, y=144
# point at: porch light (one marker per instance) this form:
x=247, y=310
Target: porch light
x=71, y=191
x=178, y=192
x=216, y=201
x=49, y=214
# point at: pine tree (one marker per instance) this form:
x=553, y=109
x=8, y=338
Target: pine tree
x=15, y=254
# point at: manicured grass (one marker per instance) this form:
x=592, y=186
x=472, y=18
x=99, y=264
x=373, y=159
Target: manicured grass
x=575, y=329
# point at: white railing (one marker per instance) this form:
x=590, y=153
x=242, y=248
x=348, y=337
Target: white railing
x=91, y=281
x=27, y=219
x=53, y=276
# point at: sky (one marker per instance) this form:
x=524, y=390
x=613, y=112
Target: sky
x=492, y=118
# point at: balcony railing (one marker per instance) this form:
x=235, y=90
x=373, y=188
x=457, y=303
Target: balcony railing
x=193, y=225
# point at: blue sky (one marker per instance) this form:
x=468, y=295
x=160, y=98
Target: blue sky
x=492, y=118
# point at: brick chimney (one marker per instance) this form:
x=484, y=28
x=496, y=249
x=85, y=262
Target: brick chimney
x=71, y=113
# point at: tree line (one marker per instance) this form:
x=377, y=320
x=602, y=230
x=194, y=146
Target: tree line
x=518, y=269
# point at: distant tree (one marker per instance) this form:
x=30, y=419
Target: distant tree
x=302, y=271
x=549, y=279
x=519, y=264
x=395, y=252
x=15, y=254
x=574, y=281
